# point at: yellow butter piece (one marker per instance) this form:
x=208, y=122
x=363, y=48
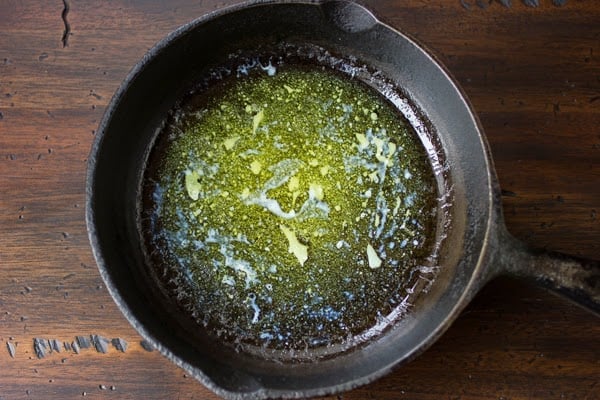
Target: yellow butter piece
x=317, y=191
x=293, y=184
x=374, y=260
x=229, y=143
x=192, y=184
x=255, y=167
x=362, y=141
x=295, y=247
x=257, y=119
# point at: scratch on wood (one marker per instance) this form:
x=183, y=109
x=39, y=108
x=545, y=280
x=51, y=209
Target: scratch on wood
x=120, y=344
x=508, y=193
x=83, y=342
x=11, y=349
x=67, y=31
x=75, y=347
x=100, y=344
x=483, y=4
x=40, y=346
x=505, y=3
x=146, y=345
x=531, y=3
x=55, y=345
x=43, y=347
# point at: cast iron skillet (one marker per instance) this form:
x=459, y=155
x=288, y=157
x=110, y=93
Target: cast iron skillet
x=476, y=247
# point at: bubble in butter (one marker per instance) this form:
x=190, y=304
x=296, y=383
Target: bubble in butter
x=289, y=208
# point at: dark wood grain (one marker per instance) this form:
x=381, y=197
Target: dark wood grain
x=532, y=74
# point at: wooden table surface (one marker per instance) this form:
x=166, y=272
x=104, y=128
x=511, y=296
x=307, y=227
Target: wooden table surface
x=533, y=75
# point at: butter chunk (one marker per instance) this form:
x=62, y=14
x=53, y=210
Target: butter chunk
x=229, y=143
x=257, y=119
x=255, y=167
x=293, y=184
x=363, y=142
x=374, y=260
x=316, y=191
x=295, y=247
x=192, y=184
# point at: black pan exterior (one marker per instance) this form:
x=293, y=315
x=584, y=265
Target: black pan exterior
x=126, y=135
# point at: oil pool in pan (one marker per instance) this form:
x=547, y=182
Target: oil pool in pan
x=289, y=207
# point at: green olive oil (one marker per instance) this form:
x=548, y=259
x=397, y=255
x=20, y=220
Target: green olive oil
x=290, y=207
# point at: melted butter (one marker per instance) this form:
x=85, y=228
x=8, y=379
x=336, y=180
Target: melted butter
x=291, y=206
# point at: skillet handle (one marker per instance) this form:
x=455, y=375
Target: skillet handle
x=575, y=278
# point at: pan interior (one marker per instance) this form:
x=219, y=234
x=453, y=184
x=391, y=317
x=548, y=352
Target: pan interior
x=291, y=204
